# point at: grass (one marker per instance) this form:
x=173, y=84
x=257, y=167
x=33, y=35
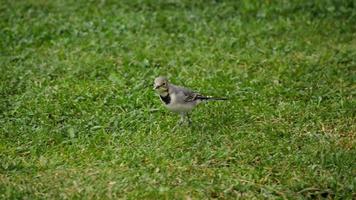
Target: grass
x=79, y=119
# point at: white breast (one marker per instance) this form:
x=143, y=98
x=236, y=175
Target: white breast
x=180, y=107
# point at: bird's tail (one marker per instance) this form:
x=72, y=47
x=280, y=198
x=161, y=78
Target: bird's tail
x=212, y=98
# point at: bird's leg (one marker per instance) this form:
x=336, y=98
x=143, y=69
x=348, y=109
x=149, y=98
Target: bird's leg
x=189, y=119
x=185, y=118
x=182, y=118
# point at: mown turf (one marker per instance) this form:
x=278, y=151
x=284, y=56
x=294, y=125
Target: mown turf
x=79, y=119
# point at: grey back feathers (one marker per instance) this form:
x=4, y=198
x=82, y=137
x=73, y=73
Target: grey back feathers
x=190, y=95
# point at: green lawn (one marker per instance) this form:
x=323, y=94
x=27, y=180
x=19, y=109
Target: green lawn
x=79, y=118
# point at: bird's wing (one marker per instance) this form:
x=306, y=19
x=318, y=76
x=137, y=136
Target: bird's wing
x=189, y=95
x=186, y=95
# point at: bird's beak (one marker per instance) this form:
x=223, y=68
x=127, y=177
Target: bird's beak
x=155, y=87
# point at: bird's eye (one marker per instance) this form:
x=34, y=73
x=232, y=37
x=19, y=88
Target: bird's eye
x=164, y=84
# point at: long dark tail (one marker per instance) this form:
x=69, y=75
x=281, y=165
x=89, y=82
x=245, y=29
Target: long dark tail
x=212, y=98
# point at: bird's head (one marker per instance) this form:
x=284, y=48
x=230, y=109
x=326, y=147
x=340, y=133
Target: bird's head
x=161, y=85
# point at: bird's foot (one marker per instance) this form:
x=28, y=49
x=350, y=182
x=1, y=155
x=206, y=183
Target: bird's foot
x=181, y=122
x=187, y=122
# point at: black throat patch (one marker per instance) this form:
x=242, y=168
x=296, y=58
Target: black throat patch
x=166, y=99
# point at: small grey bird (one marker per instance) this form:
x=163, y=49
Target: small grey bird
x=179, y=99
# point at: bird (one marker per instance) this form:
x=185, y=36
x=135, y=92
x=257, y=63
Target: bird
x=179, y=99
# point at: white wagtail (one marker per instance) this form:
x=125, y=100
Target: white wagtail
x=179, y=99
